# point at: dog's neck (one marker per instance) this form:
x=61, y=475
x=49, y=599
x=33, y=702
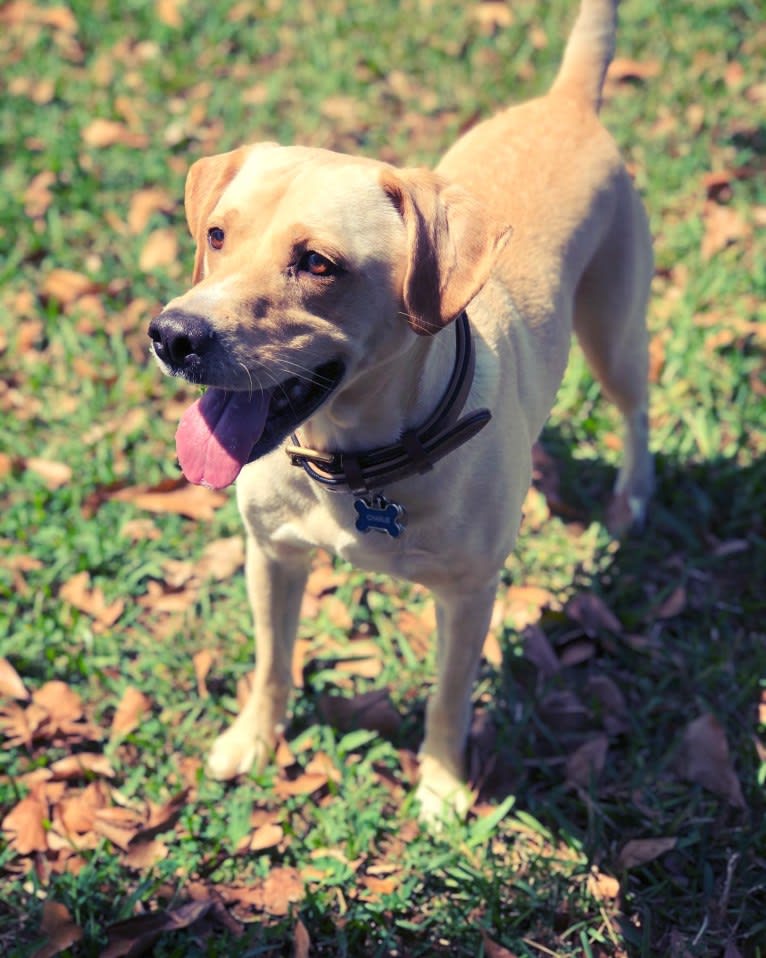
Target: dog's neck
x=385, y=401
x=420, y=443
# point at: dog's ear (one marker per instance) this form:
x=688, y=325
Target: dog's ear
x=205, y=182
x=452, y=242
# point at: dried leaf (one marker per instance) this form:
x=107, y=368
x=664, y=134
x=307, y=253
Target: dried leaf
x=162, y=817
x=640, y=851
x=24, y=826
x=80, y=765
x=673, y=605
x=144, y=204
x=168, y=12
x=601, y=886
x=119, y=825
x=221, y=558
x=160, y=250
x=704, y=759
x=100, y=133
x=371, y=710
x=77, y=591
x=266, y=836
x=135, y=936
x=65, y=286
x=587, y=762
x=492, y=949
x=723, y=227
x=55, y=474
x=304, y=784
x=11, y=685
x=62, y=703
x=202, y=662
x=592, y=614
x=178, y=497
x=540, y=652
x=301, y=941
x=279, y=890
x=144, y=854
x=59, y=928
x=132, y=708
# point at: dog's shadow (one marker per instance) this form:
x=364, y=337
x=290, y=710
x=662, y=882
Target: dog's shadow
x=687, y=593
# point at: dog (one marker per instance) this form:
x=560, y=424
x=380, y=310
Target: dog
x=382, y=347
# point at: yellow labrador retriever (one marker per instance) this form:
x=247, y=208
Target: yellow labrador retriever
x=382, y=347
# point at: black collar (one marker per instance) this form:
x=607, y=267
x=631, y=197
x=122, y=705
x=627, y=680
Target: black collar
x=416, y=452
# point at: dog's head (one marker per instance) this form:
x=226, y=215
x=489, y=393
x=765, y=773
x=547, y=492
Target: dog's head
x=311, y=268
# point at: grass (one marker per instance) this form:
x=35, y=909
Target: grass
x=531, y=868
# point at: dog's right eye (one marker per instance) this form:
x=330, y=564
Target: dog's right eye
x=215, y=237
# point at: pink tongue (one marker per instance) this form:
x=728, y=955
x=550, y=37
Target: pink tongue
x=216, y=435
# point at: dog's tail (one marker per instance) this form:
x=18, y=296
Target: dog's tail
x=588, y=52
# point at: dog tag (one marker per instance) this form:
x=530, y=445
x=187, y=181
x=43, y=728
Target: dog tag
x=380, y=515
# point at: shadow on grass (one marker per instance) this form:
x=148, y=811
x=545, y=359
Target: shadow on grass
x=689, y=595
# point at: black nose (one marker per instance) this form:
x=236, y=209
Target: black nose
x=180, y=339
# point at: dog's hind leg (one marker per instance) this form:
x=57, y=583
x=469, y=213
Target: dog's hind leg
x=610, y=322
x=275, y=587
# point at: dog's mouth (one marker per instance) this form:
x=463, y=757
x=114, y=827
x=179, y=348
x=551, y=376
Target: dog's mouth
x=224, y=430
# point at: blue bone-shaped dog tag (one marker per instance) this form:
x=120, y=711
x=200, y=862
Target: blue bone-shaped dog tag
x=380, y=515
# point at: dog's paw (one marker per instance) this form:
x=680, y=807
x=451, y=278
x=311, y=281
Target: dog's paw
x=237, y=752
x=442, y=796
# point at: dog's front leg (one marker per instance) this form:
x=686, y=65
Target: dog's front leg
x=462, y=623
x=275, y=587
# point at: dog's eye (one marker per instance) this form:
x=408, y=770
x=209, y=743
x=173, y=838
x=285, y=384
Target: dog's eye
x=316, y=264
x=215, y=237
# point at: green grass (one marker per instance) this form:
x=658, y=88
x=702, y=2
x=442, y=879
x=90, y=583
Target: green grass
x=396, y=81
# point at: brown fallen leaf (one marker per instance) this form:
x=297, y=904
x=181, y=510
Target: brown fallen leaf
x=672, y=605
x=724, y=226
x=176, y=496
x=160, y=250
x=305, y=784
x=11, y=685
x=38, y=196
x=371, y=710
x=640, y=851
x=601, y=886
x=592, y=614
x=614, y=708
x=704, y=759
x=587, y=762
x=59, y=928
x=266, y=836
x=80, y=765
x=144, y=203
x=492, y=949
x=132, y=708
x=135, y=936
x=301, y=941
x=78, y=592
x=25, y=827
x=101, y=133
x=281, y=887
x=142, y=855
x=55, y=474
x=540, y=652
x=162, y=818
x=202, y=660
x=119, y=825
x=65, y=286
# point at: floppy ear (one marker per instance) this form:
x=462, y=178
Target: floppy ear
x=452, y=242
x=205, y=182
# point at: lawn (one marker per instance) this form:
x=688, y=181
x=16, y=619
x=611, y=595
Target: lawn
x=619, y=744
